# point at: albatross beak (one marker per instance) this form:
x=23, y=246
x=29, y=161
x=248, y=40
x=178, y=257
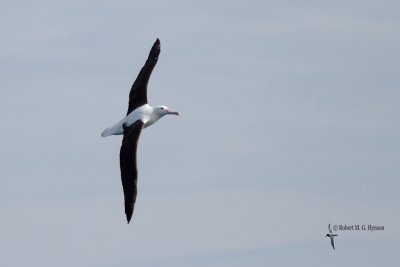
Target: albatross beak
x=172, y=112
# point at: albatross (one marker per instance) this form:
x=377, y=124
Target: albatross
x=331, y=236
x=139, y=116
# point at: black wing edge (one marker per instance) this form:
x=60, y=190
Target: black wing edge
x=138, y=93
x=128, y=165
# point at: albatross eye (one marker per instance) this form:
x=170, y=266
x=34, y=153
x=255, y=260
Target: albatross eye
x=162, y=108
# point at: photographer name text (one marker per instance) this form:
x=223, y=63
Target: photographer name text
x=358, y=227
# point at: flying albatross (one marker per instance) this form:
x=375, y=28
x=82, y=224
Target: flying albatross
x=331, y=236
x=140, y=115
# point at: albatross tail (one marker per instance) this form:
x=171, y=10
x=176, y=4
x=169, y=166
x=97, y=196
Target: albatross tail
x=117, y=129
x=107, y=132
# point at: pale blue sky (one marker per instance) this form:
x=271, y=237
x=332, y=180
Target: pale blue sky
x=289, y=122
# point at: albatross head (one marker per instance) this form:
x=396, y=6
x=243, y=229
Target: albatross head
x=163, y=110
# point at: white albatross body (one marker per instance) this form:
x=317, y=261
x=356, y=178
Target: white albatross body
x=146, y=113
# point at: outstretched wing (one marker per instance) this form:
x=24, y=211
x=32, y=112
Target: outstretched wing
x=128, y=165
x=138, y=93
x=332, y=243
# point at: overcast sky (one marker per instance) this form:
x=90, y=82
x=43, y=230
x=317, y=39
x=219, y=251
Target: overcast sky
x=289, y=121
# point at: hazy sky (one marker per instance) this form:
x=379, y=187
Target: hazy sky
x=289, y=121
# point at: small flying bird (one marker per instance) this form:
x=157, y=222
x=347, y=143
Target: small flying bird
x=331, y=236
x=140, y=115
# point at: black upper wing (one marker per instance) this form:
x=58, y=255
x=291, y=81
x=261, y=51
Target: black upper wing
x=138, y=94
x=128, y=165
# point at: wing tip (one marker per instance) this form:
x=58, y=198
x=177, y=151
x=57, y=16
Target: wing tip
x=128, y=210
x=157, y=44
x=155, y=50
x=129, y=217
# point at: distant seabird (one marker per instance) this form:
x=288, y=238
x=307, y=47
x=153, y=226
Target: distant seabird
x=140, y=115
x=330, y=235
